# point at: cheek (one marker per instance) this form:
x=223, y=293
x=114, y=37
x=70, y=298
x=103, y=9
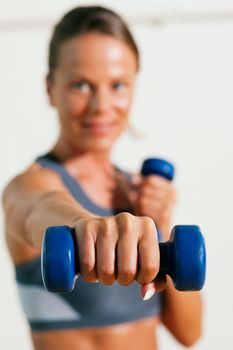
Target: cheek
x=123, y=103
x=74, y=107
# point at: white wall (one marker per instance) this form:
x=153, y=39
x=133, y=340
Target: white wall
x=183, y=106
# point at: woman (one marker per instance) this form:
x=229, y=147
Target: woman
x=93, y=62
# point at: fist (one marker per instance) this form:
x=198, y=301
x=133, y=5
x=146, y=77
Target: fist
x=119, y=248
x=155, y=197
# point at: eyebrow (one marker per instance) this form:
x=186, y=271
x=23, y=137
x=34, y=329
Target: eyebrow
x=83, y=76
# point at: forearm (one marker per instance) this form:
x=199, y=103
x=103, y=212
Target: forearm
x=51, y=209
x=29, y=213
x=182, y=314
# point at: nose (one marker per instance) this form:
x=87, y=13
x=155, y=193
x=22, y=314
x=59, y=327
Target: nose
x=101, y=100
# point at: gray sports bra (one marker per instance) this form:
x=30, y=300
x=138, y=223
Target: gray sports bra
x=89, y=304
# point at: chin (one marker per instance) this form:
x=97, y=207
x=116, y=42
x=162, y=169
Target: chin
x=96, y=147
x=97, y=144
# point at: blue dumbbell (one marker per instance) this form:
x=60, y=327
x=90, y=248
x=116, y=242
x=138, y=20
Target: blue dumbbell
x=159, y=167
x=182, y=257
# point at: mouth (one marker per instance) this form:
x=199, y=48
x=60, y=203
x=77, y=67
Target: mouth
x=99, y=128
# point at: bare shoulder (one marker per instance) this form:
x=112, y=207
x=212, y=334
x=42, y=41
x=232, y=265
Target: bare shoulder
x=24, y=190
x=33, y=179
x=18, y=197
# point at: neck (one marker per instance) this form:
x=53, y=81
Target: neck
x=69, y=154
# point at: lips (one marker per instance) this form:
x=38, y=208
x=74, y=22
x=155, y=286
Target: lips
x=100, y=128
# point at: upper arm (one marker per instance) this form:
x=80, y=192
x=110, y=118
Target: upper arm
x=24, y=190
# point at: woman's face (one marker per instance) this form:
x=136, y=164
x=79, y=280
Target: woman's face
x=92, y=88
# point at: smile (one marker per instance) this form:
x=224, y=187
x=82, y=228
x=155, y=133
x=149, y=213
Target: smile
x=99, y=128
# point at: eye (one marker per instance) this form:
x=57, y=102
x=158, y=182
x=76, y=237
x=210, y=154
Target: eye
x=81, y=86
x=119, y=86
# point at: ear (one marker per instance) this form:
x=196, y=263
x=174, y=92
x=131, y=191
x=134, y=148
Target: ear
x=49, y=88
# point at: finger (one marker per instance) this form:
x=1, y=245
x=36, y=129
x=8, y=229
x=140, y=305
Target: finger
x=157, y=181
x=165, y=192
x=127, y=259
x=148, y=252
x=151, y=204
x=160, y=197
x=105, y=252
x=155, y=193
x=127, y=251
x=86, y=253
x=151, y=191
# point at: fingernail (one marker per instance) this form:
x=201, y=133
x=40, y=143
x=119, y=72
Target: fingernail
x=149, y=294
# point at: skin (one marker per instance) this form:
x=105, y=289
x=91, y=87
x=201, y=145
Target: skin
x=92, y=89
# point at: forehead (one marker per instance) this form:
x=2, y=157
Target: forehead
x=98, y=52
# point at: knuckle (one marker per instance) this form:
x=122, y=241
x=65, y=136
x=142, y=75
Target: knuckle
x=86, y=266
x=128, y=273
x=106, y=272
x=87, y=225
x=126, y=276
x=108, y=281
x=88, y=230
x=125, y=216
x=148, y=223
x=125, y=220
x=127, y=281
x=151, y=270
x=107, y=226
x=141, y=279
x=123, y=281
x=91, y=278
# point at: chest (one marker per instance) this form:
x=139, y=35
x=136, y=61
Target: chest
x=107, y=192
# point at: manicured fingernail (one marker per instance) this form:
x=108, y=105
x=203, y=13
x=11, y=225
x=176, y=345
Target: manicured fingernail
x=148, y=294
x=148, y=291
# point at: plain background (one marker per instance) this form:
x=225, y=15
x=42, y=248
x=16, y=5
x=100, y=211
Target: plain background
x=183, y=109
